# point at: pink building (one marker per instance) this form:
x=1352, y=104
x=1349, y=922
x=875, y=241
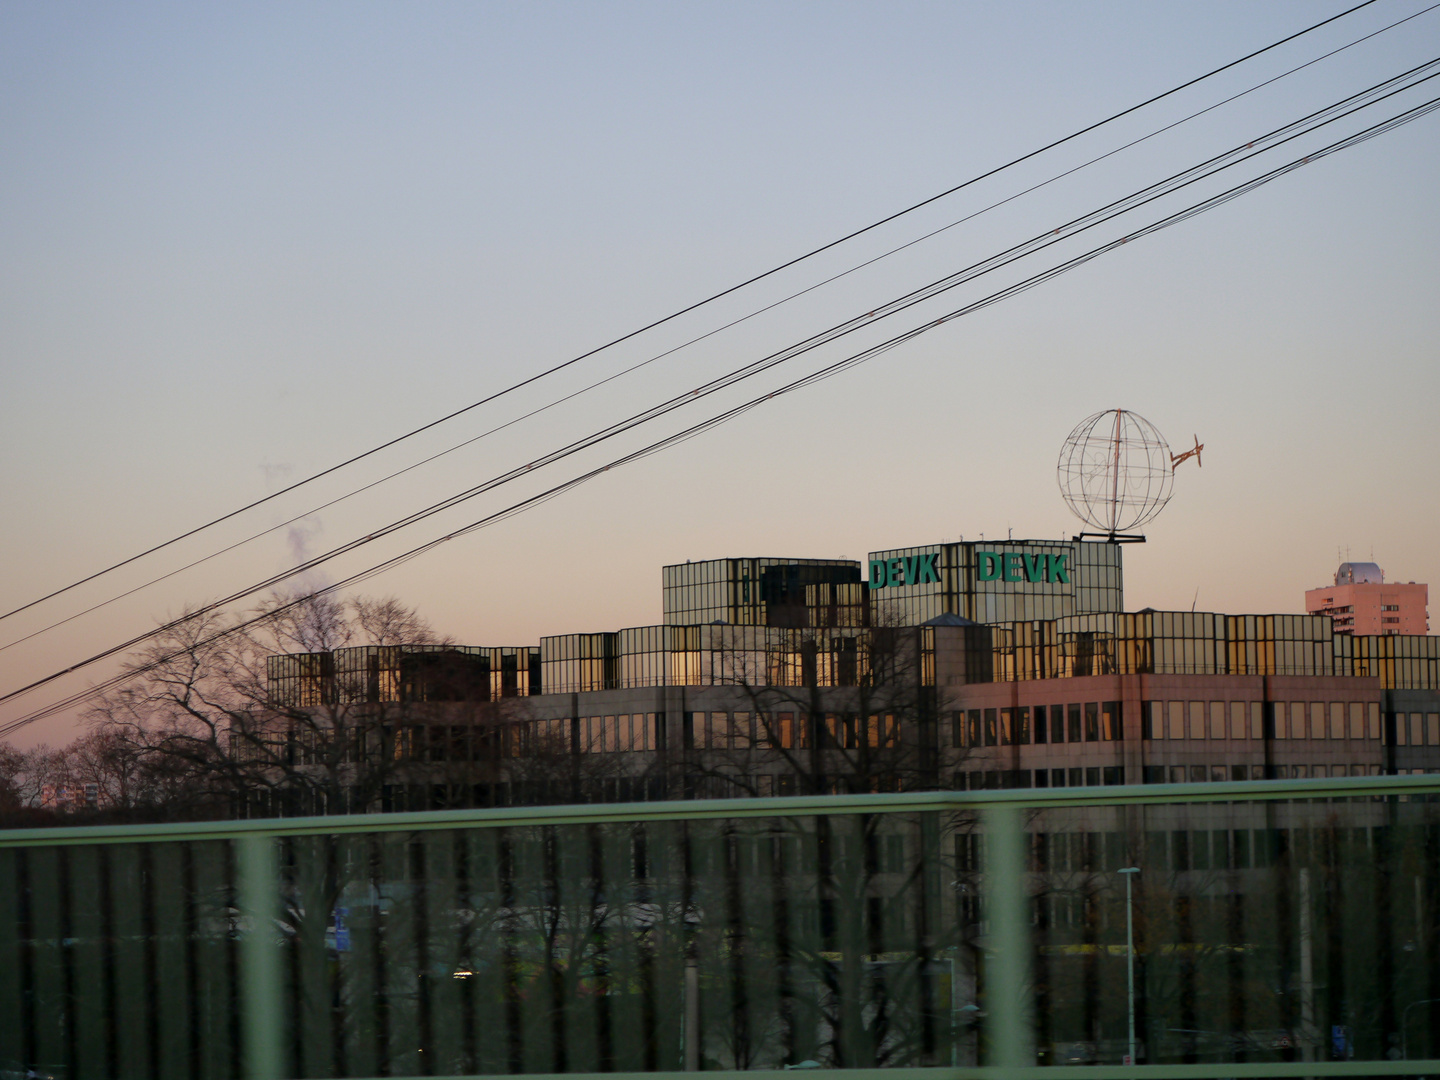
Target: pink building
x=1362, y=602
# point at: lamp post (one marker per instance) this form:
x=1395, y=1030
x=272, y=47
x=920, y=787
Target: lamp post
x=1130, y=872
x=1405, y=1034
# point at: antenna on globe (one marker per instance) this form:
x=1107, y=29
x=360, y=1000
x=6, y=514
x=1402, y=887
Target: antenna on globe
x=1116, y=473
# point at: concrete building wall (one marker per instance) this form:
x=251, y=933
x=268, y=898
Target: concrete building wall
x=1373, y=609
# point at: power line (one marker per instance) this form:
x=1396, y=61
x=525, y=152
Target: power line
x=854, y=360
x=737, y=321
x=683, y=311
x=1043, y=240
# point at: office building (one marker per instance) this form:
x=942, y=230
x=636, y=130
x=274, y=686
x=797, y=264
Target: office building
x=965, y=665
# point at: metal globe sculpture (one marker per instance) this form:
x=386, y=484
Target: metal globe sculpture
x=1115, y=471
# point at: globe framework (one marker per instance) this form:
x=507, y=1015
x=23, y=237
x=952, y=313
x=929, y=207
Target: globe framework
x=1114, y=471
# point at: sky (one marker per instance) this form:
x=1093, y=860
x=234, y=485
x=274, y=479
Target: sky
x=242, y=243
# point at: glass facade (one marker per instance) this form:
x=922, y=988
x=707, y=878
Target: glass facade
x=374, y=673
x=749, y=592
x=995, y=582
x=716, y=655
x=1408, y=660
x=1191, y=643
x=1125, y=643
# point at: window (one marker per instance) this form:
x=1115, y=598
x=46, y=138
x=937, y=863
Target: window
x=1177, y=774
x=1092, y=721
x=1175, y=719
x=882, y=731
x=741, y=737
x=1112, y=728
x=1432, y=729
x=1039, y=728
x=1356, y=719
x=1197, y=720
x=791, y=731
x=991, y=725
x=1074, y=724
x=1337, y=719
x=1317, y=720
x=1217, y=720
x=1152, y=723
x=1239, y=728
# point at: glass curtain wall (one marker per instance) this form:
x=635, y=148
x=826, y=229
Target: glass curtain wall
x=649, y=656
x=1191, y=643
x=374, y=673
x=748, y=592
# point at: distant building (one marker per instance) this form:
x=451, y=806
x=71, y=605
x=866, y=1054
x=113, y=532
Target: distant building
x=959, y=665
x=1362, y=602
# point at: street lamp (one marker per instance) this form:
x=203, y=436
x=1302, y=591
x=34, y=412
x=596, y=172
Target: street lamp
x=1129, y=873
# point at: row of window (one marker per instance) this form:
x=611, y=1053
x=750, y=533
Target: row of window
x=993, y=779
x=788, y=730
x=1102, y=721
x=627, y=732
x=621, y=733
x=1197, y=774
x=1106, y=775
x=1417, y=729
x=1023, y=725
x=1246, y=720
x=1092, y=721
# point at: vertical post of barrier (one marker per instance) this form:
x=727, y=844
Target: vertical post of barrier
x=262, y=1020
x=1007, y=909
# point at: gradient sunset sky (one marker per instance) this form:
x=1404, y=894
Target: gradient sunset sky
x=244, y=242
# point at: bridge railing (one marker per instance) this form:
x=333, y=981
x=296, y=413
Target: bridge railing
x=1268, y=928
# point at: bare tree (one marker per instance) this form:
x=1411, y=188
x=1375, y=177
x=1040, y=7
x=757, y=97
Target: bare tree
x=251, y=715
x=841, y=710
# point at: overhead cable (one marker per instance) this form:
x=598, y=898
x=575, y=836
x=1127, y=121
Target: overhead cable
x=683, y=311
x=826, y=372
x=643, y=363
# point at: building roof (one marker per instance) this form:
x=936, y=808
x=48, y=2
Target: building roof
x=949, y=619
